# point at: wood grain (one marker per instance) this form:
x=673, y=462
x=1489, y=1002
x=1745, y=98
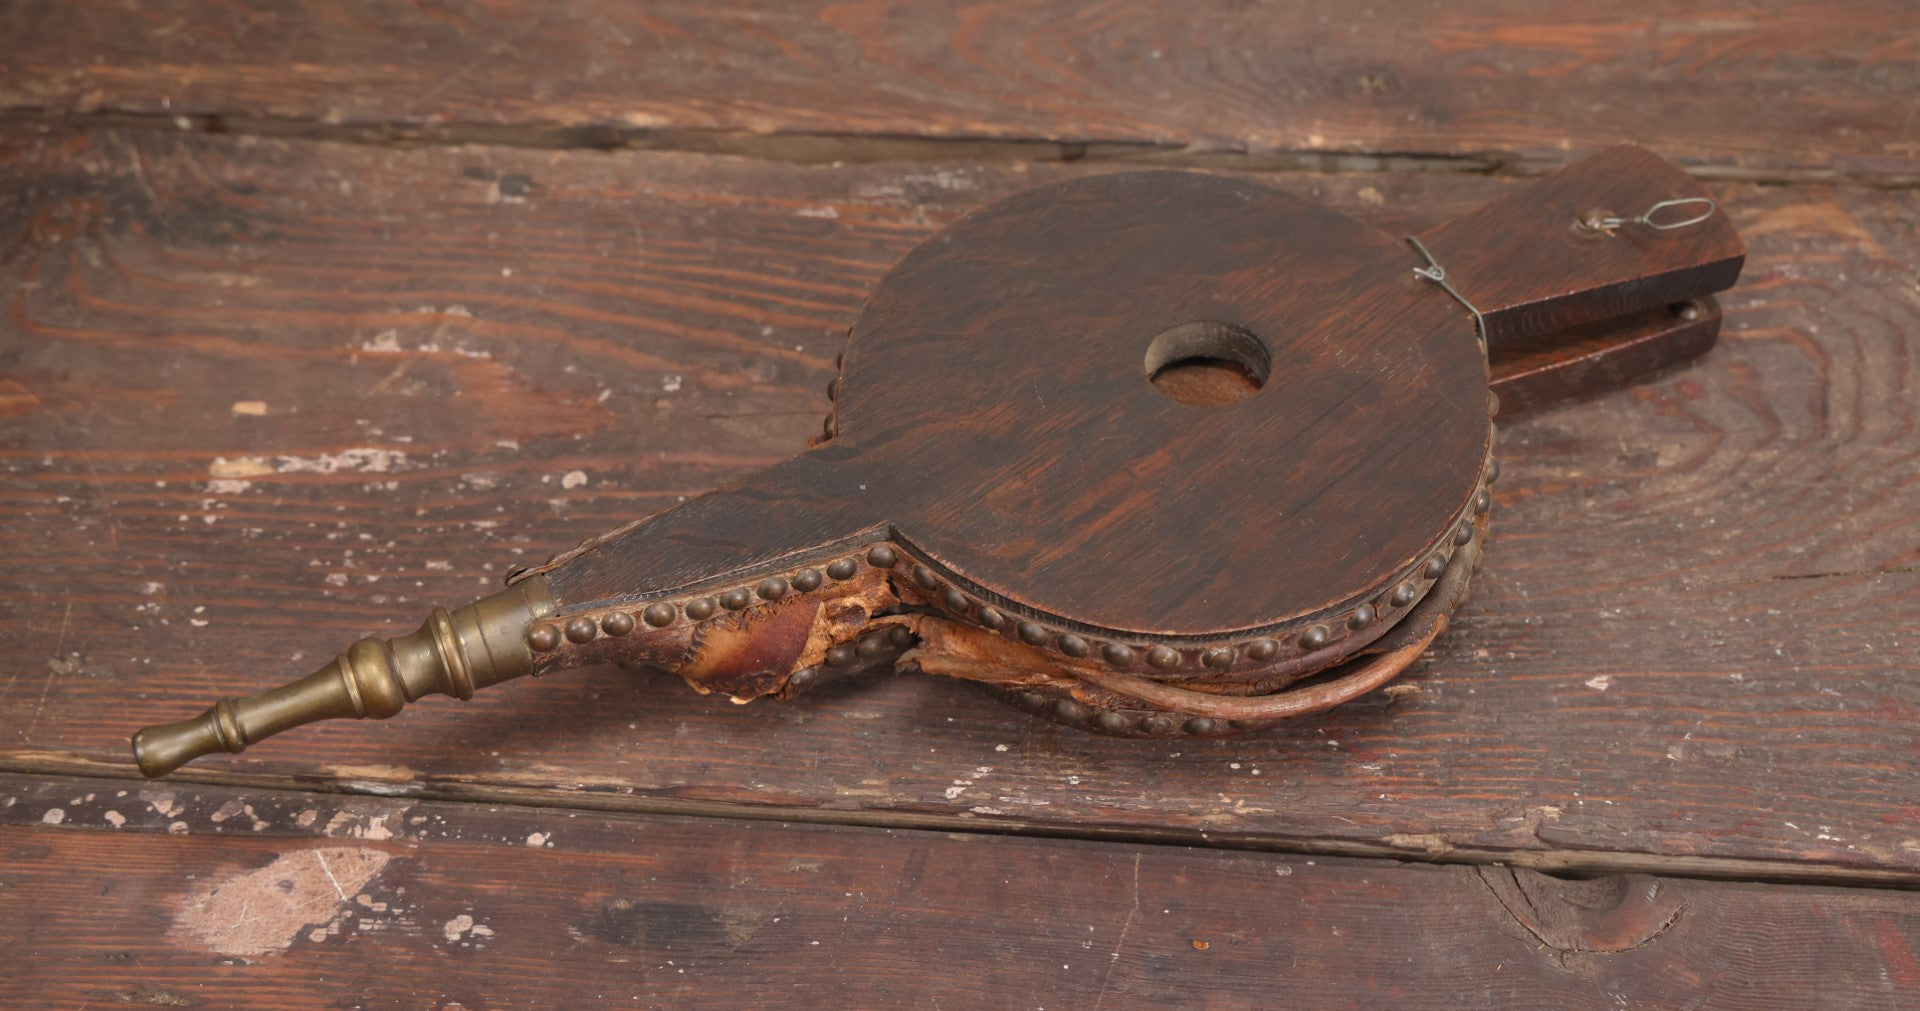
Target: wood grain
x=1692, y=638
x=994, y=410
x=210, y=897
x=1789, y=87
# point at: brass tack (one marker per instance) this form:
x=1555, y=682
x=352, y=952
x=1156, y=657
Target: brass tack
x=1113, y=722
x=870, y=646
x=1073, y=645
x=701, y=609
x=1493, y=470
x=1162, y=723
x=582, y=629
x=1482, y=501
x=1361, y=617
x=900, y=636
x=617, y=623
x=954, y=599
x=882, y=557
x=804, y=677
x=843, y=568
x=1221, y=657
x=1464, y=534
x=543, y=637
x=1402, y=595
x=925, y=577
x=1242, y=724
x=1435, y=568
x=1116, y=654
x=1162, y=657
x=1032, y=634
x=1493, y=403
x=1032, y=700
x=1315, y=637
x=806, y=580
x=1262, y=650
x=833, y=388
x=840, y=656
x=661, y=615
x=991, y=618
x=772, y=588
x=1202, y=725
x=1070, y=710
x=736, y=598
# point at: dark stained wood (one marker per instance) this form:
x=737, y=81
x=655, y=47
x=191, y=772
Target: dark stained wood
x=1691, y=639
x=1595, y=359
x=1788, y=86
x=1602, y=358
x=210, y=897
x=1542, y=259
x=994, y=409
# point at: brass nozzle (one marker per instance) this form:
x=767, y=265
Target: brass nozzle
x=454, y=653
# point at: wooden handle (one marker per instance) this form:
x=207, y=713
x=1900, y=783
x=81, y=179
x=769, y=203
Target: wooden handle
x=1544, y=258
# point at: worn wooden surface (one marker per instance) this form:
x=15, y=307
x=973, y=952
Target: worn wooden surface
x=1693, y=589
x=1806, y=88
x=259, y=397
x=216, y=897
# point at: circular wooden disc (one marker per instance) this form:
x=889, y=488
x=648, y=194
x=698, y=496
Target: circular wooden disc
x=996, y=392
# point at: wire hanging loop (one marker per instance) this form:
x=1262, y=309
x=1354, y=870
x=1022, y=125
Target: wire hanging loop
x=1434, y=272
x=1648, y=217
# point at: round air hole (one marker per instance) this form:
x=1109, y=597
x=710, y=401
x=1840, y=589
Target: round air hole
x=1206, y=363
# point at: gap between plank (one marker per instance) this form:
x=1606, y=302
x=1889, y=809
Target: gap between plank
x=832, y=148
x=1563, y=862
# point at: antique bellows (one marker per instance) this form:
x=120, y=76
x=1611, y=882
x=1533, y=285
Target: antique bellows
x=1035, y=476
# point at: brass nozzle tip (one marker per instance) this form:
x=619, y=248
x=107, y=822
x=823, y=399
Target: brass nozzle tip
x=454, y=653
x=161, y=749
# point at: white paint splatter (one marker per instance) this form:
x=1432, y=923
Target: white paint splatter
x=386, y=342
x=262, y=911
x=368, y=459
x=245, y=466
x=162, y=803
x=54, y=816
x=574, y=479
x=961, y=784
x=1600, y=683
x=363, y=458
x=464, y=926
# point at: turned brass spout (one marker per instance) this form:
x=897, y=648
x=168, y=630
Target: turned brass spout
x=454, y=653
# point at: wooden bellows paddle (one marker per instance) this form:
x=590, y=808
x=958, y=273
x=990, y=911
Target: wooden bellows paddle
x=1035, y=478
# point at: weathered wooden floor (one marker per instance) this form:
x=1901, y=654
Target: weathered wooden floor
x=312, y=318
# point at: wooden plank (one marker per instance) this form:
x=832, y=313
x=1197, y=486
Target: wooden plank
x=194, y=897
x=1692, y=638
x=1793, y=87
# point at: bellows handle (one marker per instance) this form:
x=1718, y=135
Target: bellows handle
x=1616, y=233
